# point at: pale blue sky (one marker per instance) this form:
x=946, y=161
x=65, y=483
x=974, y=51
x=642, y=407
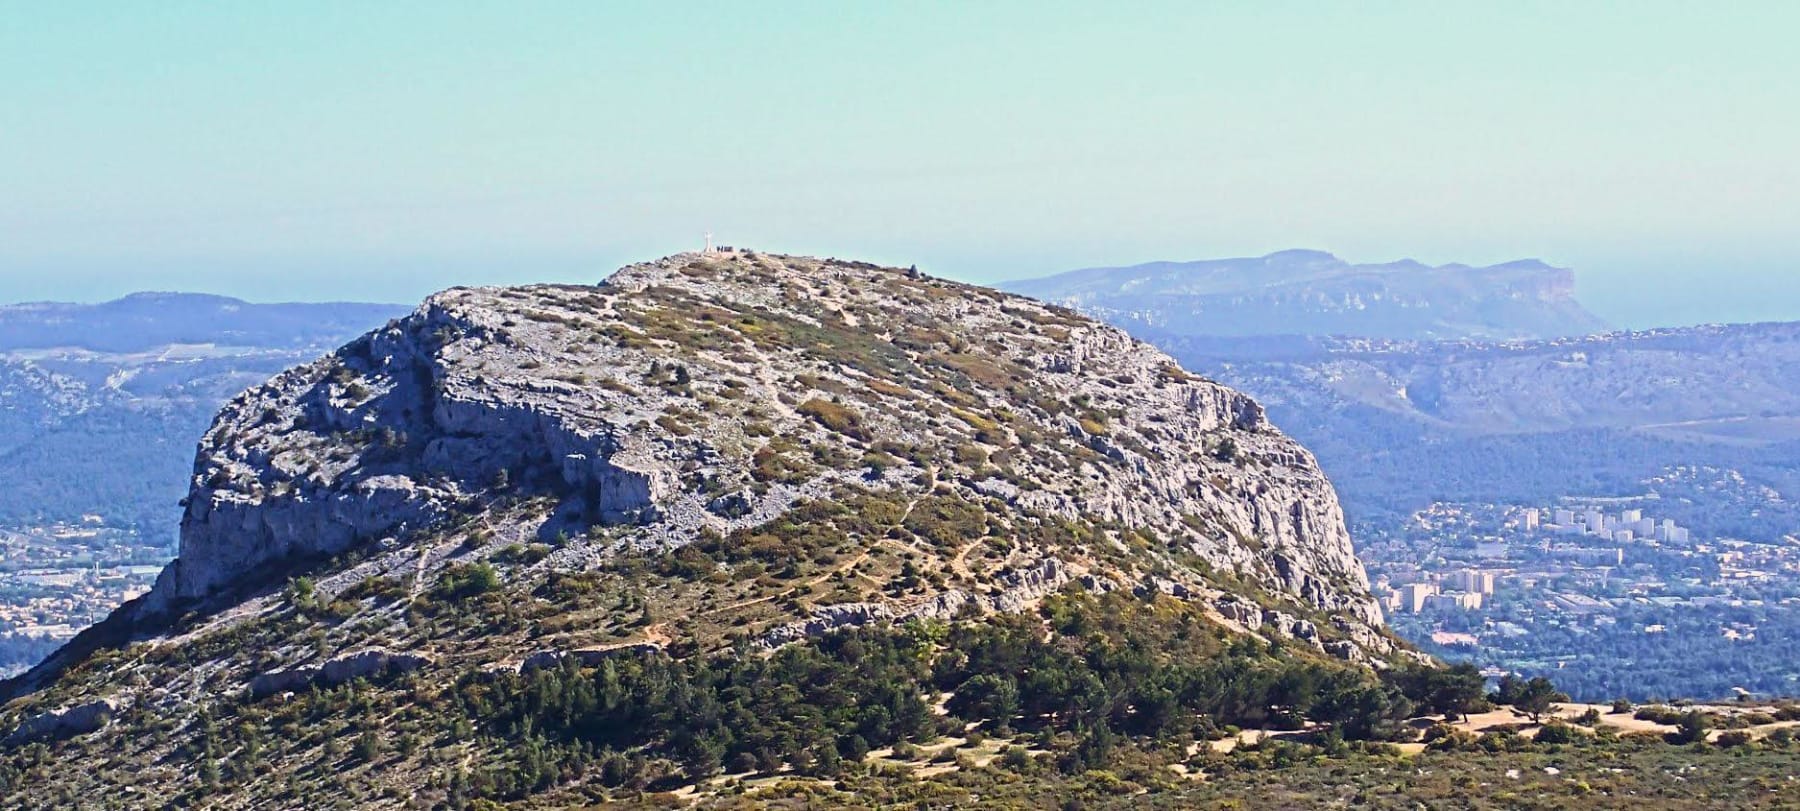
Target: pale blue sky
x=382, y=151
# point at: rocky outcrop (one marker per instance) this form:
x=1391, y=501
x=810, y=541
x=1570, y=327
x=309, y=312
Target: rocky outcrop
x=1351, y=640
x=586, y=657
x=1241, y=611
x=338, y=670
x=282, y=681
x=1020, y=591
x=384, y=439
x=61, y=725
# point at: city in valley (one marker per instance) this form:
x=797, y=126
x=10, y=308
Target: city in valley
x=1582, y=588
x=56, y=579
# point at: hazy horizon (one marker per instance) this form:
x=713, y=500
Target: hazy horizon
x=379, y=154
x=1616, y=309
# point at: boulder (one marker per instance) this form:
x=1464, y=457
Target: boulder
x=340, y=669
x=63, y=724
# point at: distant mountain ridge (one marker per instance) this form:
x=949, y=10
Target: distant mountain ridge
x=100, y=404
x=1416, y=383
x=1724, y=383
x=1397, y=423
x=150, y=320
x=1301, y=292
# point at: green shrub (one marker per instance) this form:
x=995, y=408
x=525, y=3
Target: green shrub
x=1557, y=732
x=1732, y=739
x=463, y=581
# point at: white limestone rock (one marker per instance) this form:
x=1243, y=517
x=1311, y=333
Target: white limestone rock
x=63, y=724
x=571, y=394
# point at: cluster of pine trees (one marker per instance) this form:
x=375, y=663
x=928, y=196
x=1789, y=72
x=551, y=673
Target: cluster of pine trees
x=1112, y=668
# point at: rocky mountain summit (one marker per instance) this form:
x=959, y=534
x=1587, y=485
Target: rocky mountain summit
x=703, y=453
x=1301, y=292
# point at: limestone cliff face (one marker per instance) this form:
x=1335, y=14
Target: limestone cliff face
x=705, y=394
x=386, y=438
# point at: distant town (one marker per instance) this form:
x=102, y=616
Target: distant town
x=1590, y=538
x=1546, y=588
x=59, y=578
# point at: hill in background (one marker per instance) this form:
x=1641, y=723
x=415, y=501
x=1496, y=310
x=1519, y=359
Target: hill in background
x=1315, y=293
x=1399, y=424
x=100, y=404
